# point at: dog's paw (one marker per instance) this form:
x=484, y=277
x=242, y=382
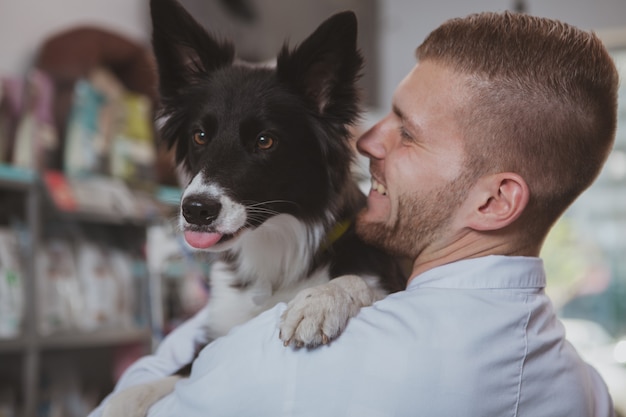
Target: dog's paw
x=319, y=314
x=136, y=400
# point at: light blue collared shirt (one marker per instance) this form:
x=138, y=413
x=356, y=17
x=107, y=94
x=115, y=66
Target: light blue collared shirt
x=473, y=338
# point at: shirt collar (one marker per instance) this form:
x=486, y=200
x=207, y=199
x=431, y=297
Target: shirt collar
x=489, y=272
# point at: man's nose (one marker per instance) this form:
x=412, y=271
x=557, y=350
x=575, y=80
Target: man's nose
x=370, y=144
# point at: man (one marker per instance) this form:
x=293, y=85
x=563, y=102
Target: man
x=502, y=123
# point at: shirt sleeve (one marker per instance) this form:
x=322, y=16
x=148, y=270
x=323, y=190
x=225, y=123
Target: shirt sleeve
x=603, y=403
x=175, y=351
x=234, y=365
x=249, y=372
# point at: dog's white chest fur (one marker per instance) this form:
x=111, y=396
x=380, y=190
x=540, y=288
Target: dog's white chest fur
x=273, y=268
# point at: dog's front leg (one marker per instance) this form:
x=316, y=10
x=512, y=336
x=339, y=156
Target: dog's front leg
x=135, y=401
x=319, y=314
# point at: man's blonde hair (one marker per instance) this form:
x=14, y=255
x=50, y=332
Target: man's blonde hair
x=544, y=103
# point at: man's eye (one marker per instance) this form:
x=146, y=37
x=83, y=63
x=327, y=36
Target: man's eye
x=403, y=133
x=265, y=142
x=199, y=137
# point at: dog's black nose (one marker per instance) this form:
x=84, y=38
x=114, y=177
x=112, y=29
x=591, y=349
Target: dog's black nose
x=200, y=210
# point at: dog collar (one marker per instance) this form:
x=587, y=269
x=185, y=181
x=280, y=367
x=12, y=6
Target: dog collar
x=336, y=232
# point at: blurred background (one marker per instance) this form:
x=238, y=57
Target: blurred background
x=92, y=272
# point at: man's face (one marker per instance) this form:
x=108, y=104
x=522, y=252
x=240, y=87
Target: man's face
x=416, y=162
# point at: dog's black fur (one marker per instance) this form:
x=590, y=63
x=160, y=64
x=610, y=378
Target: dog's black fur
x=276, y=139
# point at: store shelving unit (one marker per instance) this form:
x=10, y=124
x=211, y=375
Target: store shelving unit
x=24, y=358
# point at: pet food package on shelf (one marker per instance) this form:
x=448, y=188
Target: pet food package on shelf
x=11, y=286
x=85, y=287
x=108, y=290
x=110, y=131
x=36, y=141
x=126, y=282
x=111, y=114
x=96, y=195
x=60, y=300
x=84, y=142
x=133, y=154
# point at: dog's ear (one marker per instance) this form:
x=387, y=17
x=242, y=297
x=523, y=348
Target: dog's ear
x=183, y=49
x=326, y=66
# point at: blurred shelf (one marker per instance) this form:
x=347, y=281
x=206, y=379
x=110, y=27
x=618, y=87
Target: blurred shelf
x=12, y=345
x=76, y=340
x=109, y=212
x=99, y=338
x=12, y=177
x=133, y=208
x=102, y=218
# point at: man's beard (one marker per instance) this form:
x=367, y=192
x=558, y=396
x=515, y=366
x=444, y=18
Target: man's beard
x=420, y=218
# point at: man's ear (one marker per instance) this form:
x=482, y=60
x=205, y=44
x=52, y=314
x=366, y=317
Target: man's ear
x=496, y=201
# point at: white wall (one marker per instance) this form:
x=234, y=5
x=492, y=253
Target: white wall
x=24, y=24
x=403, y=25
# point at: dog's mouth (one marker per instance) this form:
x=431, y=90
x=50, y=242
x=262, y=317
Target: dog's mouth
x=202, y=240
x=206, y=240
x=208, y=217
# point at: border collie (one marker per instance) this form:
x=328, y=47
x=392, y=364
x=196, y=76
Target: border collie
x=271, y=193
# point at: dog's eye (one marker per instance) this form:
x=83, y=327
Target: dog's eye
x=264, y=142
x=200, y=137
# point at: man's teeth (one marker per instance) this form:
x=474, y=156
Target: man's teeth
x=378, y=187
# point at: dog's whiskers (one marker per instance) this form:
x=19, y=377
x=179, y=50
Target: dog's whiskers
x=261, y=203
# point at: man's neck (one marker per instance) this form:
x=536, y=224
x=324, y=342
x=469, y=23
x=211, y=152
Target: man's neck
x=470, y=245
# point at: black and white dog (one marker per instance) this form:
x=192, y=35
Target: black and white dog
x=269, y=157
x=271, y=192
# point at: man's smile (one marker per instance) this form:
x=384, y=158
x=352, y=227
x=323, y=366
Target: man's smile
x=377, y=186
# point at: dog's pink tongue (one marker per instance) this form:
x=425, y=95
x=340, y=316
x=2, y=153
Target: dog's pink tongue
x=200, y=240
